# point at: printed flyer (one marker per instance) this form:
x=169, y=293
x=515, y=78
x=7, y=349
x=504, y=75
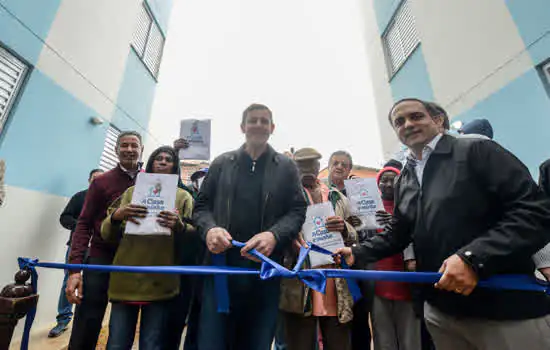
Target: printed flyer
x=314, y=231
x=157, y=192
x=197, y=132
x=365, y=201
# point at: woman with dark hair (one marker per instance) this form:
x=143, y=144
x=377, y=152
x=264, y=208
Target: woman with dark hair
x=151, y=294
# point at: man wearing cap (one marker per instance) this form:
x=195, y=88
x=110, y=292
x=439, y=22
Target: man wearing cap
x=303, y=307
x=196, y=180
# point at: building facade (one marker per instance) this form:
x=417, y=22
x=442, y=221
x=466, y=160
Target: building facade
x=188, y=167
x=73, y=74
x=478, y=59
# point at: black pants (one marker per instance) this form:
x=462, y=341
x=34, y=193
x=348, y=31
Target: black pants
x=425, y=337
x=179, y=310
x=89, y=314
x=192, y=335
x=360, y=331
x=301, y=332
x=361, y=336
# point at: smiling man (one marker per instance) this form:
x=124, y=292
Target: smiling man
x=251, y=195
x=472, y=211
x=89, y=289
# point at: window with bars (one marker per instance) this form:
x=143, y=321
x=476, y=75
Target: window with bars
x=12, y=75
x=148, y=40
x=109, y=158
x=400, y=38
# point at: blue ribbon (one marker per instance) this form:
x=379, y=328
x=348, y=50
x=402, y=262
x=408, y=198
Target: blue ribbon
x=315, y=278
x=27, y=264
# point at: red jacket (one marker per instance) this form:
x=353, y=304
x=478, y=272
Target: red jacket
x=101, y=193
x=385, y=289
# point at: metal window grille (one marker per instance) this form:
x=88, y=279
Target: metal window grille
x=401, y=38
x=109, y=158
x=546, y=71
x=12, y=74
x=142, y=30
x=148, y=40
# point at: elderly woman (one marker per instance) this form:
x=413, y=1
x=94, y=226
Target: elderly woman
x=305, y=309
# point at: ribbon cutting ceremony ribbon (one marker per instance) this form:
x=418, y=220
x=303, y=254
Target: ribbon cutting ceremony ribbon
x=316, y=279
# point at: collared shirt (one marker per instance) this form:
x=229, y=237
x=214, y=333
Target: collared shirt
x=131, y=173
x=418, y=164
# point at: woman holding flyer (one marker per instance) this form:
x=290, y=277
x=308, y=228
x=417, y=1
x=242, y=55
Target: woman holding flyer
x=305, y=309
x=131, y=293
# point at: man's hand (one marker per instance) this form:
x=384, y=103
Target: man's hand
x=299, y=243
x=130, y=212
x=457, y=276
x=354, y=221
x=73, y=291
x=169, y=219
x=263, y=242
x=545, y=272
x=218, y=240
x=335, y=224
x=181, y=143
x=346, y=253
x=383, y=218
x=410, y=265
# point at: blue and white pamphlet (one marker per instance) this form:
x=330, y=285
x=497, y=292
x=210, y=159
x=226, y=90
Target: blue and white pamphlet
x=365, y=201
x=315, y=231
x=157, y=192
x=197, y=133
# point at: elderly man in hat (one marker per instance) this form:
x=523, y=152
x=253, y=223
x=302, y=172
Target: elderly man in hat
x=302, y=307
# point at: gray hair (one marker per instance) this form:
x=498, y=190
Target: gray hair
x=128, y=133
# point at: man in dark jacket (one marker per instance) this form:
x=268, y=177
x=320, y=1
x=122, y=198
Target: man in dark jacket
x=251, y=195
x=473, y=211
x=68, y=220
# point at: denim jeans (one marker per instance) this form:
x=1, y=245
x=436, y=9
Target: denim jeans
x=64, y=308
x=124, y=318
x=251, y=321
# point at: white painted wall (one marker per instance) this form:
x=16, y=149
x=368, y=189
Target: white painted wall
x=472, y=48
x=31, y=228
x=379, y=79
x=94, y=37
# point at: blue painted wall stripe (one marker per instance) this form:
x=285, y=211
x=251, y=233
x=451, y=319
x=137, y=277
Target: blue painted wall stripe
x=531, y=18
x=50, y=146
x=135, y=96
x=384, y=10
x=413, y=79
x=25, y=39
x=520, y=116
x=161, y=10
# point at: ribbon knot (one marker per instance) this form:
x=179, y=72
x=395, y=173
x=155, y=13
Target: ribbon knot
x=314, y=279
x=26, y=263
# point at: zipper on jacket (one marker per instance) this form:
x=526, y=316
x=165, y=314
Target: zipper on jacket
x=263, y=211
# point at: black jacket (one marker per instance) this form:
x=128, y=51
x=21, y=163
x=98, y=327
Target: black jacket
x=478, y=201
x=70, y=214
x=544, y=177
x=284, y=206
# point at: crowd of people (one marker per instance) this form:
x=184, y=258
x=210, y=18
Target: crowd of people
x=459, y=204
